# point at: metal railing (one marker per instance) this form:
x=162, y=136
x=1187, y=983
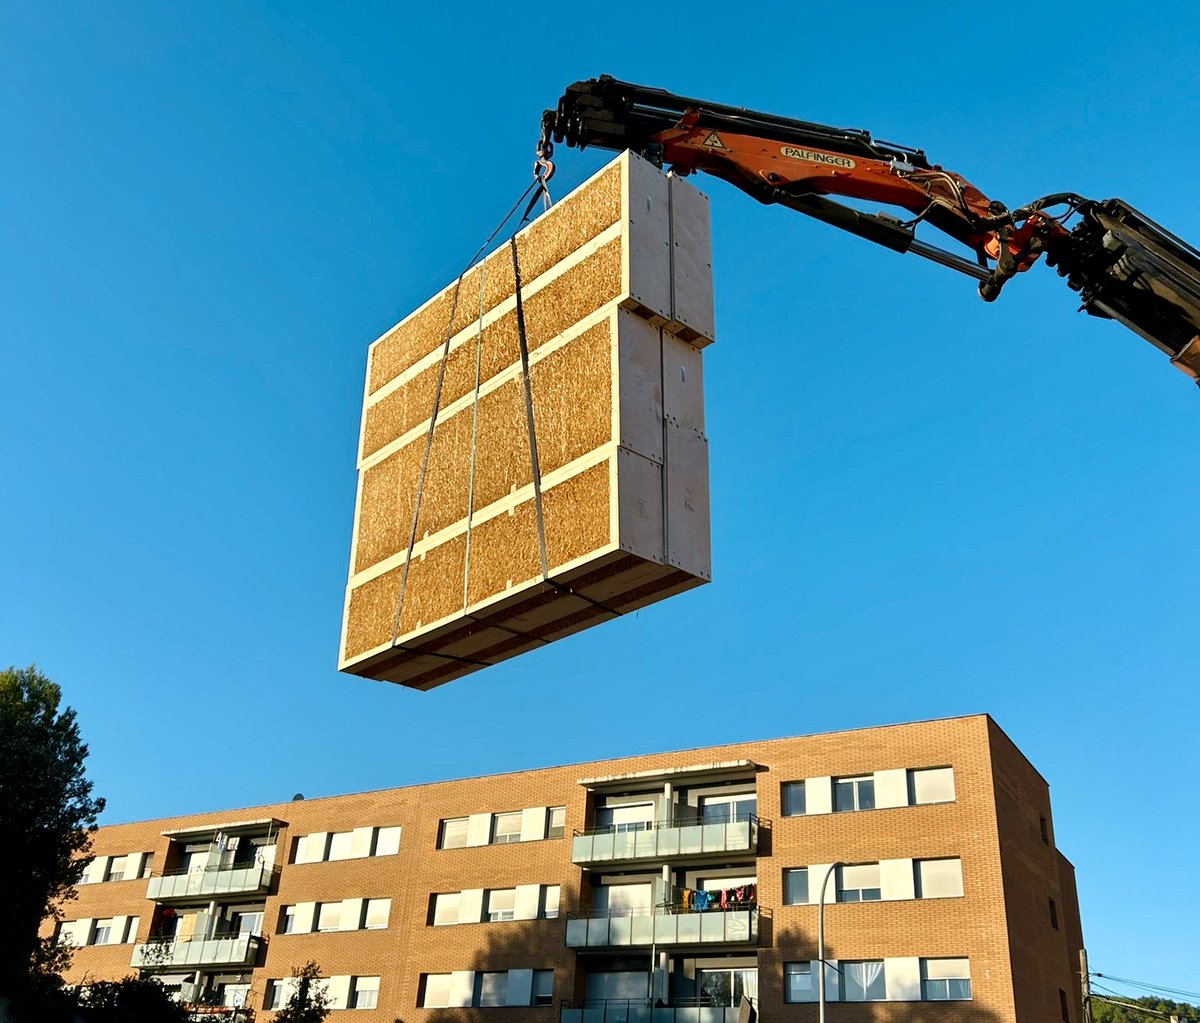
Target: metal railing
x=663, y=926
x=231, y=880
x=672, y=837
x=222, y=950
x=642, y=1010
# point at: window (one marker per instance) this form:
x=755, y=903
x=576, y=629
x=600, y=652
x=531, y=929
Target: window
x=506, y=827
x=795, y=886
x=131, y=929
x=375, y=915
x=248, y=922
x=287, y=924
x=435, y=991
x=625, y=817
x=101, y=932
x=548, y=910
x=944, y=980
x=274, y=998
x=387, y=841
x=341, y=846
x=798, y=982
x=543, y=987
x=793, y=801
x=938, y=879
x=365, y=993
x=147, y=864
x=116, y=869
x=931, y=785
x=558, y=822
x=453, y=836
x=854, y=793
x=445, y=909
x=491, y=989
x=1062, y=996
x=727, y=809
x=329, y=916
x=501, y=904
x=727, y=987
x=1053, y=915
x=85, y=876
x=858, y=882
x=1044, y=829
x=863, y=981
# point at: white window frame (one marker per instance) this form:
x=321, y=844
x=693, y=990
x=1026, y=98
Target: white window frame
x=287, y=925
x=857, y=892
x=556, y=830
x=443, y=833
x=914, y=776
x=508, y=837
x=937, y=989
x=493, y=916
x=357, y=990
x=857, y=783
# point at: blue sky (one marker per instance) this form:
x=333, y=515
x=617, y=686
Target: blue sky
x=922, y=505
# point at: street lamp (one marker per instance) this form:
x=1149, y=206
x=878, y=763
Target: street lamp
x=821, y=943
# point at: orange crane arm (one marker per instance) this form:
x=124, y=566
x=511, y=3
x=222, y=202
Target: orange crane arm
x=1124, y=266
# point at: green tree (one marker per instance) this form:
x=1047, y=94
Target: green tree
x=1157, y=1009
x=309, y=1002
x=131, y=1000
x=47, y=816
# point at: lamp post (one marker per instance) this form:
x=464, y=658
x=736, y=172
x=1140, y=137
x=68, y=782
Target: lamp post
x=821, y=943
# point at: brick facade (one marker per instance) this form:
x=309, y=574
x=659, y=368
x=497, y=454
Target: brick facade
x=1019, y=961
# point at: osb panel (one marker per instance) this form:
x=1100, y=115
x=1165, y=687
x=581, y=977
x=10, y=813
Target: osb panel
x=572, y=402
x=552, y=237
x=580, y=291
x=430, y=594
x=504, y=553
x=504, y=550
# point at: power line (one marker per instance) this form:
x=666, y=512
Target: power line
x=1132, y=1007
x=1154, y=988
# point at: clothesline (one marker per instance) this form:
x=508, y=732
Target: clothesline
x=699, y=900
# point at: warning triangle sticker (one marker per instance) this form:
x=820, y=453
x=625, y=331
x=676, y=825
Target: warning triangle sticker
x=713, y=141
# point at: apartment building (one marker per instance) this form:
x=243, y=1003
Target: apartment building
x=664, y=888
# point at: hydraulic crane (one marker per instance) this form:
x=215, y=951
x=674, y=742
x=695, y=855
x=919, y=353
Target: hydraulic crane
x=1124, y=266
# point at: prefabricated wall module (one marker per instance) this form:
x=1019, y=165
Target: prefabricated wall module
x=616, y=290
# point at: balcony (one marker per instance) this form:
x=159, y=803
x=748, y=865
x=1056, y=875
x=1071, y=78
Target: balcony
x=668, y=839
x=252, y=880
x=657, y=927
x=226, y=950
x=634, y=1010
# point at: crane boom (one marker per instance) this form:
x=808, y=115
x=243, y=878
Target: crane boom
x=1123, y=265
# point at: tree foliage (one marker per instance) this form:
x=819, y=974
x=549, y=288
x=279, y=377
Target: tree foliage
x=309, y=1002
x=47, y=816
x=1159, y=1008
x=131, y=1000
